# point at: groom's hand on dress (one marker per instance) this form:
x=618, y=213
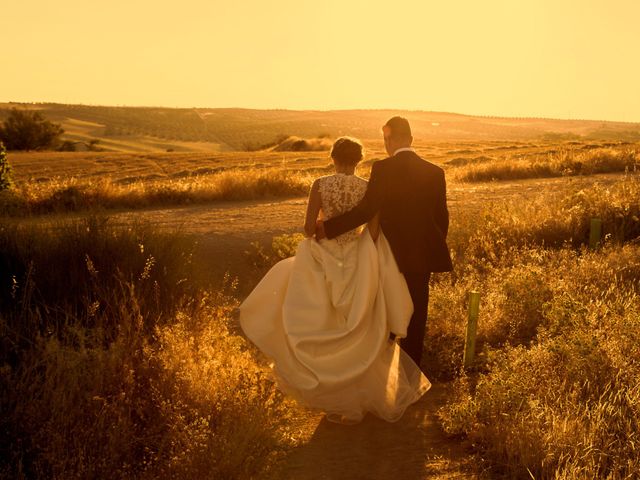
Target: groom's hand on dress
x=320, y=234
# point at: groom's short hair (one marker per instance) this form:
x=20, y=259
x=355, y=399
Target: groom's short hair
x=398, y=127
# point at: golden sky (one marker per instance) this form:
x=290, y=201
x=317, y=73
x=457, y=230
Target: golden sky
x=547, y=58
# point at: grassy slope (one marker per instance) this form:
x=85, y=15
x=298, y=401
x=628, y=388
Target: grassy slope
x=153, y=129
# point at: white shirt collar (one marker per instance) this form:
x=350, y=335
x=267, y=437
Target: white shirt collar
x=404, y=149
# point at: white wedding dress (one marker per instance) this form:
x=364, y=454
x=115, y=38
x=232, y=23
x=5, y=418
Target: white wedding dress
x=324, y=318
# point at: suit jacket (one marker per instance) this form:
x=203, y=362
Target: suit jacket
x=410, y=194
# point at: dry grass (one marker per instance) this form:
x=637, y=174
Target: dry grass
x=58, y=182
x=114, y=364
x=557, y=394
x=550, y=218
x=493, y=250
x=554, y=391
x=73, y=195
x=562, y=162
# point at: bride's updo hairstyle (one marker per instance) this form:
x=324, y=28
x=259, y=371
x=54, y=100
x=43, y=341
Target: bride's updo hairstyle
x=347, y=151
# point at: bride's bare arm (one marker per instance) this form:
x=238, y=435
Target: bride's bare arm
x=374, y=226
x=313, y=209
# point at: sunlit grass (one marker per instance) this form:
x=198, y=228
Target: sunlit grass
x=114, y=363
x=74, y=195
x=563, y=162
x=182, y=179
x=553, y=392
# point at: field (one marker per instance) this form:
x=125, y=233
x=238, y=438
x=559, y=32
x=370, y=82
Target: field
x=156, y=130
x=120, y=273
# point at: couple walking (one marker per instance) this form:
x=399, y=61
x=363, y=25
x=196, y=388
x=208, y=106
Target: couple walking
x=329, y=317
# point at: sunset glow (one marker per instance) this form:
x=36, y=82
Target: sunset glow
x=560, y=59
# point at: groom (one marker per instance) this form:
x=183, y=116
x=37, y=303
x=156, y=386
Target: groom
x=409, y=193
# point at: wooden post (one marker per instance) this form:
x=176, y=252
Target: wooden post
x=595, y=232
x=472, y=324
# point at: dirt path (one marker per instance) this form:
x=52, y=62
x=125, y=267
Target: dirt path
x=414, y=448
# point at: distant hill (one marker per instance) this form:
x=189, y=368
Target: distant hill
x=152, y=129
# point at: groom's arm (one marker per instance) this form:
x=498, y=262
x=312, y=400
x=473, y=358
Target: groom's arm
x=361, y=213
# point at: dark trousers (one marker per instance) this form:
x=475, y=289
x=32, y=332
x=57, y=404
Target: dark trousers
x=418, y=284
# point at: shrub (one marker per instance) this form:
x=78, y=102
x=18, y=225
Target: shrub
x=29, y=130
x=296, y=144
x=67, y=146
x=5, y=170
x=513, y=254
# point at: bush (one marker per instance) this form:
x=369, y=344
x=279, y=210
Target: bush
x=29, y=130
x=297, y=144
x=5, y=170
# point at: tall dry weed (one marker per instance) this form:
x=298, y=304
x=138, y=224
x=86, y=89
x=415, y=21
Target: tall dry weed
x=548, y=219
x=115, y=365
x=553, y=392
x=563, y=162
x=62, y=195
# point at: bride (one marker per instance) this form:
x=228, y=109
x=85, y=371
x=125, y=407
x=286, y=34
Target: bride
x=325, y=315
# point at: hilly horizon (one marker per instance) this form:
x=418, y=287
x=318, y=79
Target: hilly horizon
x=156, y=129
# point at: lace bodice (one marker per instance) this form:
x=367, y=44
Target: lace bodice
x=339, y=193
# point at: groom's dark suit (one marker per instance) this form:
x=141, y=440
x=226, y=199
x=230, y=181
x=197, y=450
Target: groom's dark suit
x=410, y=195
